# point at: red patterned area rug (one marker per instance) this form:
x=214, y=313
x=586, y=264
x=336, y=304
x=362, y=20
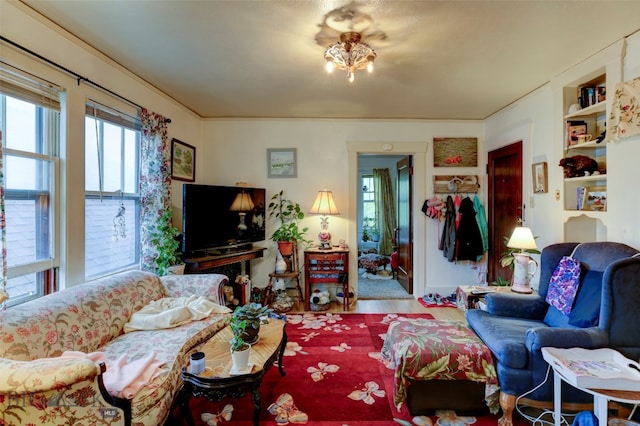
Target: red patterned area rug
x=334, y=376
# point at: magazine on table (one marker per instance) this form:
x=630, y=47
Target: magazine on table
x=595, y=368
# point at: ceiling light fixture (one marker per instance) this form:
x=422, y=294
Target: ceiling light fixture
x=350, y=54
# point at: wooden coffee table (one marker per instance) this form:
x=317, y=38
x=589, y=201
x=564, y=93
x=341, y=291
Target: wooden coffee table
x=216, y=383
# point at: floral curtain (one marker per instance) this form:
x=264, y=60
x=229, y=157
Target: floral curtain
x=624, y=120
x=155, y=183
x=385, y=209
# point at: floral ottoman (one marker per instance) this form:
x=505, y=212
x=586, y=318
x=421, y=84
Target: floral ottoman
x=440, y=364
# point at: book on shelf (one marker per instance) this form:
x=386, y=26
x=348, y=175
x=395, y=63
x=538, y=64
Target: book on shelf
x=587, y=96
x=581, y=195
x=594, y=368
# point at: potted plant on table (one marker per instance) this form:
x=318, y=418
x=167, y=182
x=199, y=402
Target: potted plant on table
x=252, y=315
x=289, y=214
x=240, y=350
x=507, y=260
x=164, y=238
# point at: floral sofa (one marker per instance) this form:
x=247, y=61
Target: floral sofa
x=39, y=387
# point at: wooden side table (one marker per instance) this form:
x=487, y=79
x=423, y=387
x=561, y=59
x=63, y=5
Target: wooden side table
x=329, y=267
x=216, y=383
x=469, y=296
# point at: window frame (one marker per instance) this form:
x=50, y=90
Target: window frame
x=47, y=138
x=105, y=114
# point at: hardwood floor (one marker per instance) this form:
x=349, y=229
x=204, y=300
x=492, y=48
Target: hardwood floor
x=407, y=306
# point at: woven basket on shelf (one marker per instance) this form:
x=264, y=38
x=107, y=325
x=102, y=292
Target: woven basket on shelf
x=319, y=307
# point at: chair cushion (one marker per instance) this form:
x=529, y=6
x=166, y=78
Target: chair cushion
x=586, y=309
x=505, y=336
x=555, y=318
x=563, y=284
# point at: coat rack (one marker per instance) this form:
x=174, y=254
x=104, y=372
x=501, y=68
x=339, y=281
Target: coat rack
x=448, y=184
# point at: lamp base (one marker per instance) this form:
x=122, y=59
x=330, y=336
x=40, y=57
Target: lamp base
x=521, y=289
x=524, y=268
x=325, y=240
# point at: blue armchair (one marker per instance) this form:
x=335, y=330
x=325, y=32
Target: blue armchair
x=604, y=314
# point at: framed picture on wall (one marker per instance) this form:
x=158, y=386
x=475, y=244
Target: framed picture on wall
x=455, y=152
x=539, y=177
x=282, y=163
x=183, y=161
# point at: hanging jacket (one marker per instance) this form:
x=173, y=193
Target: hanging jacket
x=469, y=240
x=481, y=218
x=448, y=240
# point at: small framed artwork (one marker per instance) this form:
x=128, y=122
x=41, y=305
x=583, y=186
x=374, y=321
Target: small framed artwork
x=596, y=199
x=183, y=161
x=540, y=177
x=282, y=163
x=455, y=152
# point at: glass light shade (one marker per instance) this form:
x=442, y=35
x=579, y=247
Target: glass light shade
x=370, y=65
x=522, y=238
x=329, y=66
x=242, y=203
x=324, y=204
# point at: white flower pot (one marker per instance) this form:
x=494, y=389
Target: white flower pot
x=240, y=359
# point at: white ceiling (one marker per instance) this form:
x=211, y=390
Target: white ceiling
x=260, y=58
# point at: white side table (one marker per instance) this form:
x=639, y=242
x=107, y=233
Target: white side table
x=601, y=397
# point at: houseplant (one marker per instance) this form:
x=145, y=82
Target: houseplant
x=507, y=260
x=251, y=315
x=240, y=349
x=289, y=214
x=164, y=238
x=507, y=257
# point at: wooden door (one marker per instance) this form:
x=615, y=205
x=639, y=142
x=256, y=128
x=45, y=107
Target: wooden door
x=505, y=205
x=404, y=237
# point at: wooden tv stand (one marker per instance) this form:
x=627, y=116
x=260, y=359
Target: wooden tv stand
x=229, y=261
x=206, y=262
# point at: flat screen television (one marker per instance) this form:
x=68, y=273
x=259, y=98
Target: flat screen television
x=215, y=217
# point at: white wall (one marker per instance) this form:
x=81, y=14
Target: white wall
x=537, y=121
x=228, y=151
x=236, y=151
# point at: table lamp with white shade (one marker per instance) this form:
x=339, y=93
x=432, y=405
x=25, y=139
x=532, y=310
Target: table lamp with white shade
x=524, y=267
x=242, y=204
x=324, y=205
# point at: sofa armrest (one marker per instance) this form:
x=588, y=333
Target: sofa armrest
x=18, y=377
x=529, y=306
x=207, y=285
x=587, y=338
x=63, y=391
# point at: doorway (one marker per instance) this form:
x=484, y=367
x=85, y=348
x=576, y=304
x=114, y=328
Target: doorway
x=505, y=203
x=418, y=152
x=373, y=207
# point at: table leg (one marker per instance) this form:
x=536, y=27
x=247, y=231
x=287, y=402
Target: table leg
x=255, y=397
x=183, y=400
x=601, y=409
x=283, y=345
x=557, y=399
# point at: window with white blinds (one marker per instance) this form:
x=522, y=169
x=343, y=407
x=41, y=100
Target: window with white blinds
x=30, y=125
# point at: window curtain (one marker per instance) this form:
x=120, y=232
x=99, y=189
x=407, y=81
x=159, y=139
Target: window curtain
x=155, y=182
x=385, y=210
x=3, y=235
